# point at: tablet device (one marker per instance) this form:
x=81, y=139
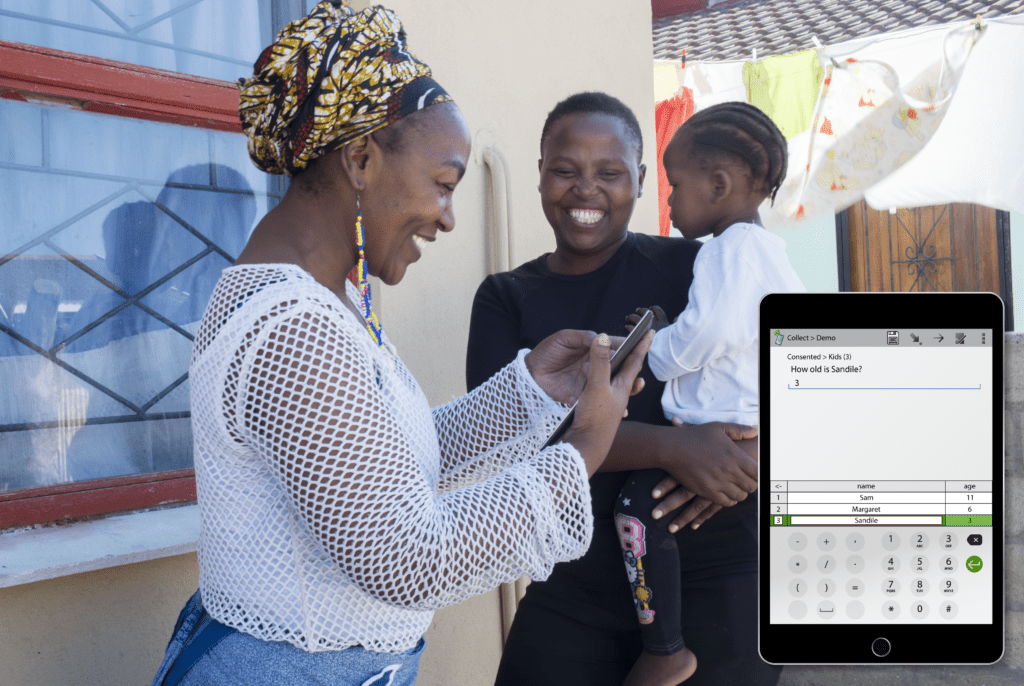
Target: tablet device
x=618, y=357
x=881, y=478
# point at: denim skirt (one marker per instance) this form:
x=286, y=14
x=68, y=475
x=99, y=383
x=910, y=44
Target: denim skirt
x=224, y=656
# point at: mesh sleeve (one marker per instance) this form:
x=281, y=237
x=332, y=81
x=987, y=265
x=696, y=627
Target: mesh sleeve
x=342, y=441
x=500, y=423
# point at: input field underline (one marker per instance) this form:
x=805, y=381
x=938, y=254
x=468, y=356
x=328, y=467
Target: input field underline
x=884, y=388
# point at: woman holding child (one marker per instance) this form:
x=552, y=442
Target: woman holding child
x=579, y=627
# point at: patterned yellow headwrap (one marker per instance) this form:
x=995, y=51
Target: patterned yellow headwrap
x=328, y=79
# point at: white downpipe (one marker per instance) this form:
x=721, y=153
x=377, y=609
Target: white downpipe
x=501, y=258
x=501, y=246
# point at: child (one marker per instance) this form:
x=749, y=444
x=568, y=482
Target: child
x=721, y=163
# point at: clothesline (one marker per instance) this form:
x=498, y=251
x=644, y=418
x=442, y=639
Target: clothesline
x=918, y=117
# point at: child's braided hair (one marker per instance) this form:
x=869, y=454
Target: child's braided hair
x=740, y=130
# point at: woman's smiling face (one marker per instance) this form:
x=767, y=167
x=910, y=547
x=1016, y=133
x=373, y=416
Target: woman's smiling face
x=590, y=178
x=409, y=198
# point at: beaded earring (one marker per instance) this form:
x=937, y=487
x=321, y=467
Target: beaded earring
x=372, y=325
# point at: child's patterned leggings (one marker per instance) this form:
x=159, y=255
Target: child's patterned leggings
x=652, y=563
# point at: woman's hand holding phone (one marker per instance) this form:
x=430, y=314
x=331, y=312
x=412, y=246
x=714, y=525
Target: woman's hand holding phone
x=603, y=402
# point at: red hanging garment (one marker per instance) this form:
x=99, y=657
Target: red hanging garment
x=669, y=115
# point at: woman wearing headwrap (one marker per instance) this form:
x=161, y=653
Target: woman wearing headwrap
x=337, y=509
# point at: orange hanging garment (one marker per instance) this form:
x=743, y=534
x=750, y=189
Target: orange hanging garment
x=669, y=115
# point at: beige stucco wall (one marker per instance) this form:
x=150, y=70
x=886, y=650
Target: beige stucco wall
x=506, y=64
x=104, y=627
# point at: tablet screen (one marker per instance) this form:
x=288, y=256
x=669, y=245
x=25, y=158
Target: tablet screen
x=882, y=483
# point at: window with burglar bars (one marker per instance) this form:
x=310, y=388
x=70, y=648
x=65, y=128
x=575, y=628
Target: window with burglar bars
x=126, y=190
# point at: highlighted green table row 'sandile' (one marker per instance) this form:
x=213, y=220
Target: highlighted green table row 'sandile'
x=910, y=520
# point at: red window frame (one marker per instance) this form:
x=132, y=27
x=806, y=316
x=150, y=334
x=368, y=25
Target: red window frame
x=33, y=73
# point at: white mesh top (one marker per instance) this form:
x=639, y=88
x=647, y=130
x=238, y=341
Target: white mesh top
x=336, y=507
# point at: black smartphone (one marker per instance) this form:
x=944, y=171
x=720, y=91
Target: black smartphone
x=618, y=357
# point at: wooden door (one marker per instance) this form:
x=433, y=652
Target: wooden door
x=954, y=247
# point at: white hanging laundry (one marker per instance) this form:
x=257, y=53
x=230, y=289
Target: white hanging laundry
x=714, y=82
x=867, y=125
x=977, y=155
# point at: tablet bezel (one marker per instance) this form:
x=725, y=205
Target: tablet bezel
x=924, y=644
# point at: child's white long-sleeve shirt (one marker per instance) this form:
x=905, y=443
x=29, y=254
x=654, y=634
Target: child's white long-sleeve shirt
x=709, y=355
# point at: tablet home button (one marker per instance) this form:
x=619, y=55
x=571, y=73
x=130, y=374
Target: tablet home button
x=881, y=647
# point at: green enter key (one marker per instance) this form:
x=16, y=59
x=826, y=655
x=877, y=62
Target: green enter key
x=974, y=563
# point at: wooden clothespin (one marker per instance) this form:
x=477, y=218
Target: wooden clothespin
x=819, y=46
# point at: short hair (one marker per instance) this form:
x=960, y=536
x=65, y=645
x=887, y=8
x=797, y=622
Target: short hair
x=594, y=102
x=392, y=137
x=740, y=130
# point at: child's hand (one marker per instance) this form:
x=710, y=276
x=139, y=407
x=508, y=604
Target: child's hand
x=660, y=318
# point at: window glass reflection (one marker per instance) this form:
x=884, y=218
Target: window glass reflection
x=104, y=276
x=218, y=39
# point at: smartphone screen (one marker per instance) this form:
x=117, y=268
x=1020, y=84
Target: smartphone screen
x=618, y=358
